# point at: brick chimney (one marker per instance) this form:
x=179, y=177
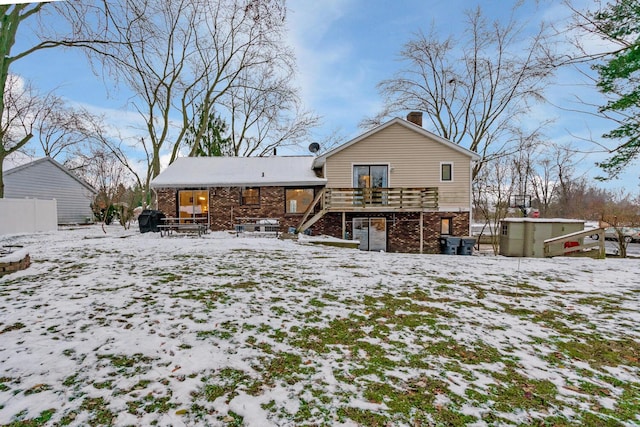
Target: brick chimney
x=415, y=117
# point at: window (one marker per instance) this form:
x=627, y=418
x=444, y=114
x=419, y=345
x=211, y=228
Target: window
x=297, y=200
x=372, y=179
x=446, y=171
x=505, y=229
x=250, y=196
x=193, y=204
x=446, y=226
x=370, y=176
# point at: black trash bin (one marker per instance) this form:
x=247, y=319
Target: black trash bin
x=466, y=246
x=449, y=245
x=149, y=219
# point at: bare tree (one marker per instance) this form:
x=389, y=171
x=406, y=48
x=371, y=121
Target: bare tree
x=60, y=128
x=21, y=109
x=104, y=144
x=17, y=112
x=544, y=184
x=492, y=191
x=552, y=178
x=266, y=115
x=251, y=83
x=185, y=59
x=105, y=172
x=622, y=212
x=476, y=88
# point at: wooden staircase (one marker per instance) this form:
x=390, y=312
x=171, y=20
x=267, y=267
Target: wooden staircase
x=304, y=224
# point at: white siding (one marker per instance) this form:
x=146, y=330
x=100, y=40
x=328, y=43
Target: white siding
x=414, y=161
x=44, y=180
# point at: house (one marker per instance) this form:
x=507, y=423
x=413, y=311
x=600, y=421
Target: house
x=219, y=190
x=47, y=179
x=395, y=188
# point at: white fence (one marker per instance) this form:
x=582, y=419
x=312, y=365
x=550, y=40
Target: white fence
x=28, y=215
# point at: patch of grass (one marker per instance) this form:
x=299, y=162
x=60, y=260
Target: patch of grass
x=599, y=351
x=224, y=382
x=166, y=277
x=278, y=310
x=470, y=353
x=514, y=391
x=345, y=331
x=316, y=303
x=223, y=335
x=234, y=420
x=209, y=298
x=40, y=420
x=363, y=417
x=16, y=326
x=245, y=284
x=150, y=404
x=38, y=388
x=103, y=384
x=444, y=281
x=3, y=383
x=99, y=413
x=128, y=364
x=287, y=367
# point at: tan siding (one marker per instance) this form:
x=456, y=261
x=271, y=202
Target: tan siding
x=414, y=161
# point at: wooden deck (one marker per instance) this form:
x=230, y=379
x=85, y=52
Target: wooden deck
x=370, y=200
x=380, y=199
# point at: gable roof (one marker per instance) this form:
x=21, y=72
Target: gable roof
x=320, y=160
x=238, y=172
x=47, y=159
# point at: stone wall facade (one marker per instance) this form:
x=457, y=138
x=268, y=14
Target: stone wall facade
x=403, y=228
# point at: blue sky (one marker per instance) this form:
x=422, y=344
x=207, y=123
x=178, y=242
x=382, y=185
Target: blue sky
x=343, y=49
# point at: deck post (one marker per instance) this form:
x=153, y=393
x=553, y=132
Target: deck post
x=421, y=231
x=344, y=225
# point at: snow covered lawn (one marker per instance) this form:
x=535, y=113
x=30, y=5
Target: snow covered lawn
x=133, y=329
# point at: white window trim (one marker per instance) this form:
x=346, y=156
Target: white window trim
x=440, y=171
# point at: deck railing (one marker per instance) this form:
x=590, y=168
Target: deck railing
x=369, y=200
x=389, y=199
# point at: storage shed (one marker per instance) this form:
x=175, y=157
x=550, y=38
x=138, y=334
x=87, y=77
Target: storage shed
x=46, y=179
x=524, y=237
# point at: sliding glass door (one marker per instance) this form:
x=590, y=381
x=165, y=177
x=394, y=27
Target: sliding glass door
x=370, y=178
x=371, y=232
x=193, y=206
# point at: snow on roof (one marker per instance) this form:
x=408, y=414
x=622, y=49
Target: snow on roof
x=238, y=171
